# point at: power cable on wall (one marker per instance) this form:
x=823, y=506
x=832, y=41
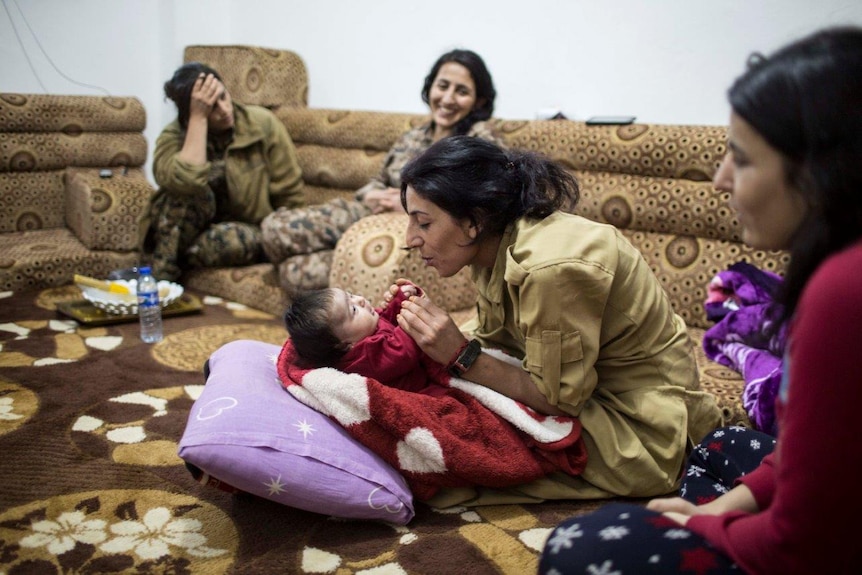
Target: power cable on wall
x=44, y=52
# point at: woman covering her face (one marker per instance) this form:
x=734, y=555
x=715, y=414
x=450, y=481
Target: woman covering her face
x=221, y=168
x=570, y=297
x=794, y=174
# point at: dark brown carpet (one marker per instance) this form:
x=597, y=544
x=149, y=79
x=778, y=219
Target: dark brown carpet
x=90, y=481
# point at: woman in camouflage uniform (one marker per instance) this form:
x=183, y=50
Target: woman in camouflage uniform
x=460, y=94
x=221, y=167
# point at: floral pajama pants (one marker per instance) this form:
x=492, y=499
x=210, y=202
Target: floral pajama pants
x=628, y=539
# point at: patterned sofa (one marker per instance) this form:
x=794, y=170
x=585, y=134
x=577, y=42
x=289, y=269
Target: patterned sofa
x=651, y=181
x=58, y=217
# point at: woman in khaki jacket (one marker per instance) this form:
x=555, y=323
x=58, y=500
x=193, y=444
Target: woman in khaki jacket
x=221, y=168
x=572, y=298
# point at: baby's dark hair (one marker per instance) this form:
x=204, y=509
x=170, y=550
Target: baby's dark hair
x=309, y=324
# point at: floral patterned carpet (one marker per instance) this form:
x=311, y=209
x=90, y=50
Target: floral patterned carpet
x=90, y=480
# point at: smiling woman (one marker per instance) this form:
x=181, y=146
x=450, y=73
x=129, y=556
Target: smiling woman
x=460, y=96
x=452, y=97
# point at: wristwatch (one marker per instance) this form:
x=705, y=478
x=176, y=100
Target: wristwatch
x=465, y=359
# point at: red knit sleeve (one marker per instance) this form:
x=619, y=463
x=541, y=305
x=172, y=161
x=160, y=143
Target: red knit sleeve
x=385, y=356
x=390, y=311
x=761, y=482
x=393, y=308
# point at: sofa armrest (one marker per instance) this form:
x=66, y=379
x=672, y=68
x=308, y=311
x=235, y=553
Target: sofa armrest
x=103, y=213
x=368, y=259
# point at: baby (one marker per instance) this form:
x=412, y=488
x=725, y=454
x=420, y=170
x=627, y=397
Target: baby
x=334, y=328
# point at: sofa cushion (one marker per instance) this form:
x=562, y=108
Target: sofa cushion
x=685, y=265
x=50, y=258
x=71, y=114
x=31, y=201
x=104, y=212
x=255, y=286
x=247, y=432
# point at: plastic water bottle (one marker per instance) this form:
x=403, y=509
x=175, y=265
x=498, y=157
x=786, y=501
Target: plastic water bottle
x=149, y=308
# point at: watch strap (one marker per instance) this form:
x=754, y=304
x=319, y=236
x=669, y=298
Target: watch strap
x=465, y=358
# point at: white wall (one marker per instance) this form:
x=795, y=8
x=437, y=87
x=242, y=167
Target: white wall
x=664, y=61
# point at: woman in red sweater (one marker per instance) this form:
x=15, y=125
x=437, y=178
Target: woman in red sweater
x=794, y=173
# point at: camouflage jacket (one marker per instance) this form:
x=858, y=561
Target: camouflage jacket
x=408, y=146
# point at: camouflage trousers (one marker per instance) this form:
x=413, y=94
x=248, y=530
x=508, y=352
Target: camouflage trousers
x=300, y=241
x=182, y=234
x=305, y=272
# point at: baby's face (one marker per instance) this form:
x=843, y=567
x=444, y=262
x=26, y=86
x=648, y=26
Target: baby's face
x=353, y=316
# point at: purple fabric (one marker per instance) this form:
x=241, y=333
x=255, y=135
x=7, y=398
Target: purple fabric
x=246, y=431
x=741, y=299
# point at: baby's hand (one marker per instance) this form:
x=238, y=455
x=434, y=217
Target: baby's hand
x=407, y=288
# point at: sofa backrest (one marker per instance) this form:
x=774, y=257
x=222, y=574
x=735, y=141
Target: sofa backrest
x=651, y=181
x=254, y=75
x=42, y=135
x=340, y=150
x=654, y=182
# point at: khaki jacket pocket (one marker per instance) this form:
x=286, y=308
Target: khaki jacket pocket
x=553, y=355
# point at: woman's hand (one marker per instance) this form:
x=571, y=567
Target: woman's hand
x=205, y=92
x=431, y=327
x=437, y=335
x=674, y=508
x=385, y=200
x=403, y=285
x=740, y=498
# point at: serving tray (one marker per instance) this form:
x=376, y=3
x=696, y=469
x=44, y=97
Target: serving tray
x=86, y=313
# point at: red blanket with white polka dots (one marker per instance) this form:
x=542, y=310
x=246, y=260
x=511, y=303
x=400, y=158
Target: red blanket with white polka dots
x=470, y=436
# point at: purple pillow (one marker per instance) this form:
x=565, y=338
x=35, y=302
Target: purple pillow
x=245, y=430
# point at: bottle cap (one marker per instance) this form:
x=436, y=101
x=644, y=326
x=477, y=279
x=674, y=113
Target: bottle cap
x=144, y=270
